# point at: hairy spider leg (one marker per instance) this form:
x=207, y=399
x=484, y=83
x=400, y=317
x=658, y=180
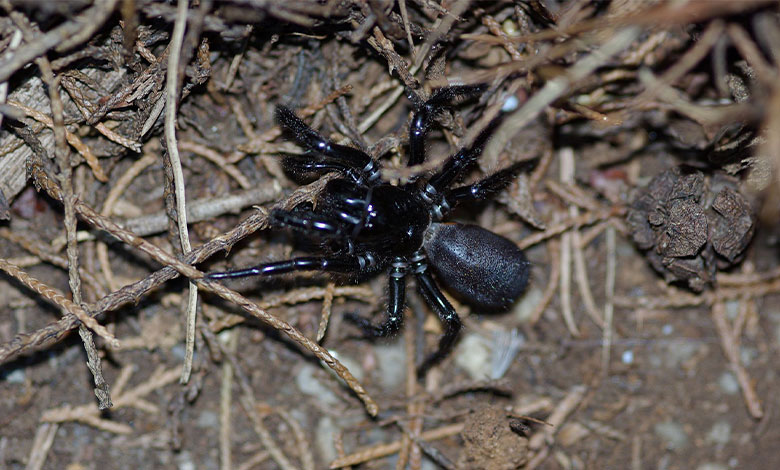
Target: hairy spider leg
x=484, y=188
x=337, y=264
x=396, y=300
x=426, y=112
x=352, y=162
x=302, y=164
x=455, y=165
x=449, y=318
x=306, y=221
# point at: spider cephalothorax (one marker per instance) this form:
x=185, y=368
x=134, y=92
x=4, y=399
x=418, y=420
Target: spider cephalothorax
x=364, y=225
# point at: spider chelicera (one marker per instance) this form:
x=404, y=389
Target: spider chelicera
x=363, y=225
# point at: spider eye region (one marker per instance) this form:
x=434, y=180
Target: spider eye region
x=485, y=269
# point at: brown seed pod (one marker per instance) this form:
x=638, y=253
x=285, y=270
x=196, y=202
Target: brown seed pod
x=691, y=225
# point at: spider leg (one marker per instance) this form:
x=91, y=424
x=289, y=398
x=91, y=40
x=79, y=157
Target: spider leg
x=396, y=300
x=455, y=165
x=338, y=264
x=426, y=112
x=447, y=314
x=484, y=188
x=306, y=221
x=340, y=157
x=302, y=164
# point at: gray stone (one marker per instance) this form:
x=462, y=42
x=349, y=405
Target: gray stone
x=673, y=434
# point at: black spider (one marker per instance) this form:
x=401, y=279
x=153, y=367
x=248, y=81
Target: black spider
x=364, y=225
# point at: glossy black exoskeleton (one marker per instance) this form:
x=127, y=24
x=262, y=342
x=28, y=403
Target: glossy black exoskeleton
x=365, y=225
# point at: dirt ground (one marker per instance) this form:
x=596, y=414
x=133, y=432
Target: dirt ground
x=647, y=205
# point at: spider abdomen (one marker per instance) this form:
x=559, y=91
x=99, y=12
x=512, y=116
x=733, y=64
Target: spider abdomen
x=486, y=269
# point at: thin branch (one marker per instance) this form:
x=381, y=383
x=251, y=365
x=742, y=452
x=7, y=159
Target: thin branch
x=225, y=404
x=327, y=308
x=90, y=414
x=543, y=439
x=171, y=99
x=730, y=345
x=383, y=450
x=567, y=176
x=44, y=438
x=58, y=299
x=609, y=302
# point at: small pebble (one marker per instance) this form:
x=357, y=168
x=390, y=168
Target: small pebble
x=667, y=329
x=747, y=354
x=224, y=336
x=679, y=352
x=178, y=351
x=525, y=307
x=391, y=364
x=308, y=384
x=627, y=357
x=184, y=461
x=16, y=376
x=510, y=104
x=673, y=434
x=510, y=27
x=728, y=383
x=473, y=356
x=720, y=433
x=207, y=419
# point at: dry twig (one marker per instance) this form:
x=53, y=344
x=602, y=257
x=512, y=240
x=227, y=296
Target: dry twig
x=543, y=439
x=383, y=450
x=171, y=99
x=58, y=299
x=730, y=344
x=44, y=438
x=90, y=414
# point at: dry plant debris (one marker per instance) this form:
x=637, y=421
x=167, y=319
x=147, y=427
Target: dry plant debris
x=138, y=146
x=691, y=225
x=489, y=442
